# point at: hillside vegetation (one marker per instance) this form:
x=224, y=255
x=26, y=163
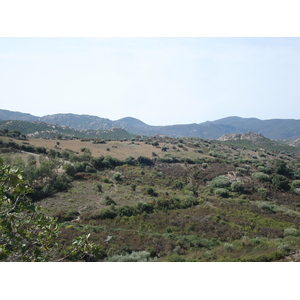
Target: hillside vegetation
x=54, y=131
x=164, y=199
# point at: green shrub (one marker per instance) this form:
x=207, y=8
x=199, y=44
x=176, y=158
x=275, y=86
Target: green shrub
x=97, y=162
x=166, y=204
x=281, y=168
x=133, y=186
x=266, y=206
x=108, y=201
x=237, y=186
x=135, y=256
x=127, y=211
x=241, y=170
x=117, y=176
x=64, y=216
x=168, y=159
x=130, y=160
x=89, y=169
x=220, y=182
x=228, y=246
x=99, y=188
x=150, y=191
x=62, y=183
x=281, y=182
x=105, y=180
x=262, y=192
x=69, y=169
x=144, y=207
x=175, y=258
x=189, y=202
x=261, y=169
x=291, y=232
x=222, y=192
x=297, y=191
x=262, y=177
x=283, y=248
x=296, y=184
x=107, y=214
x=144, y=161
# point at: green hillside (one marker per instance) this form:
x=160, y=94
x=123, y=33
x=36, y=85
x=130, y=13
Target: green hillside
x=53, y=131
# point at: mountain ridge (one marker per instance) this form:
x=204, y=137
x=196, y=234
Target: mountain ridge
x=278, y=129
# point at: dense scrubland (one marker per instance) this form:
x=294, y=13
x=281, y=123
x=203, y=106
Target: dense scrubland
x=153, y=199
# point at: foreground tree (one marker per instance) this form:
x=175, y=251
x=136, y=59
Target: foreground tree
x=26, y=234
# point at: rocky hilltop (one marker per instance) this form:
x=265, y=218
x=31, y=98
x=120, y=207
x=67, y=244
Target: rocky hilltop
x=248, y=136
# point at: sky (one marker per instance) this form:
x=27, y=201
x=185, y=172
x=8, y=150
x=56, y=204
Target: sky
x=159, y=80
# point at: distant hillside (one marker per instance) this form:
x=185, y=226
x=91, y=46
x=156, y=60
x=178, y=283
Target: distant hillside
x=79, y=121
x=13, y=115
x=277, y=129
x=48, y=130
x=295, y=143
x=251, y=140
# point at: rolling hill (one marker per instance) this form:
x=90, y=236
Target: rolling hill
x=54, y=131
x=277, y=129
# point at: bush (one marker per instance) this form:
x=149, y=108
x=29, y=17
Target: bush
x=144, y=161
x=139, y=256
x=144, y=207
x=69, y=169
x=150, y=191
x=241, y=170
x=222, y=192
x=297, y=191
x=262, y=192
x=283, y=248
x=281, y=182
x=291, y=232
x=281, y=168
x=296, y=184
x=133, y=186
x=237, y=186
x=130, y=160
x=80, y=167
x=62, y=183
x=105, y=179
x=220, y=182
x=99, y=188
x=189, y=202
x=126, y=211
x=108, y=201
x=168, y=159
x=228, y=246
x=97, y=162
x=262, y=177
x=166, y=204
x=107, y=214
x=117, y=176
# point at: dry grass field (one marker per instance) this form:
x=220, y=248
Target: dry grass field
x=117, y=149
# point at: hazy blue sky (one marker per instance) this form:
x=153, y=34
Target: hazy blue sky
x=160, y=81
